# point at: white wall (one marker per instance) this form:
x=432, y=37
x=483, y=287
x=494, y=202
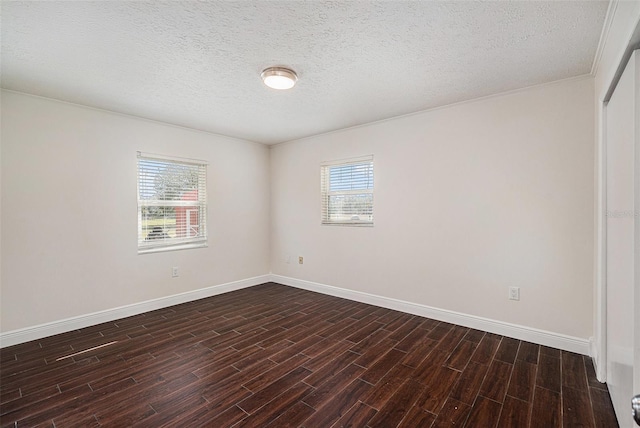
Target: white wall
x=469, y=200
x=69, y=222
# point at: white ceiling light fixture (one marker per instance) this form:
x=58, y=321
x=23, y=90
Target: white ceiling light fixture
x=279, y=77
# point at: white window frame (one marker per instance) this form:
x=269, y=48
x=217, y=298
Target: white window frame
x=173, y=243
x=327, y=193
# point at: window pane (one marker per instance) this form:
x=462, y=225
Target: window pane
x=165, y=181
x=351, y=207
x=158, y=223
x=351, y=177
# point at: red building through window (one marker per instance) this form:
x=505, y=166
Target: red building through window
x=188, y=217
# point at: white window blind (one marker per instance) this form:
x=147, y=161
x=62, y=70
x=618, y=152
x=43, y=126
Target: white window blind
x=347, y=192
x=172, y=203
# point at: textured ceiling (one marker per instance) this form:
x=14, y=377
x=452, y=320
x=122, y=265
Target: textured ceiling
x=197, y=64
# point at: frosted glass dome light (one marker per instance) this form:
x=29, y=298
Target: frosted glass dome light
x=279, y=77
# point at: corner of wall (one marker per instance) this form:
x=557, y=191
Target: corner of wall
x=62, y=326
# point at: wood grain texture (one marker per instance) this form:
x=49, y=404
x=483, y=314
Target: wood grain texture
x=275, y=356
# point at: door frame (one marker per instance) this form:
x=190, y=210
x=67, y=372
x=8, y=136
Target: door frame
x=599, y=344
x=599, y=347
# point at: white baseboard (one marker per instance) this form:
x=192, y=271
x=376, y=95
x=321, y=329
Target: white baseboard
x=547, y=338
x=15, y=337
x=529, y=334
x=599, y=360
x=595, y=357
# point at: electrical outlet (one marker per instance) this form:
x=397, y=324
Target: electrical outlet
x=174, y=272
x=300, y=260
x=514, y=293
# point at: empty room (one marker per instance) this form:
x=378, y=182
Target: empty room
x=320, y=213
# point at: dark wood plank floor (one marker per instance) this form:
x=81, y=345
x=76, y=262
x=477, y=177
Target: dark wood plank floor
x=275, y=356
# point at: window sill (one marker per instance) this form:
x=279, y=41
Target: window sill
x=164, y=249
x=354, y=224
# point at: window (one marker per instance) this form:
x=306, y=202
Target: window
x=347, y=192
x=172, y=203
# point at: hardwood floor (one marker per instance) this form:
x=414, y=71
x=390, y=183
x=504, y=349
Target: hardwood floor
x=275, y=356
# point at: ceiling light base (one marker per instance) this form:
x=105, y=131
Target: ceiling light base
x=279, y=78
